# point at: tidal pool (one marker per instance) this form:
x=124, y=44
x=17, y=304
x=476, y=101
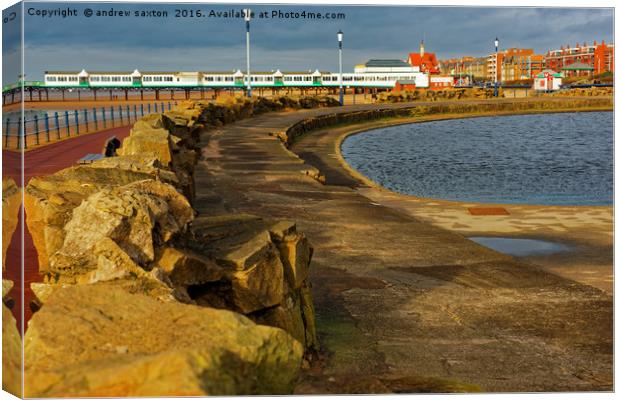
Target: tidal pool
x=520, y=247
x=548, y=159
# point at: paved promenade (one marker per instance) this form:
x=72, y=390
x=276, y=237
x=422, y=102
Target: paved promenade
x=403, y=305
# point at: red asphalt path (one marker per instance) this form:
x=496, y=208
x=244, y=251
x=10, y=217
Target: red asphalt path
x=42, y=161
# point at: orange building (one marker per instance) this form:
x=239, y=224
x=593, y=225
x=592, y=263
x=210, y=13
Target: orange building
x=513, y=64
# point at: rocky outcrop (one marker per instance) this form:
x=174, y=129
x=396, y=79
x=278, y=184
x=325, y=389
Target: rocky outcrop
x=99, y=340
x=118, y=238
x=11, y=348
x=255, y=266
x=11, y=200
x=49, y=200
x=155, y=142
x=115, y=231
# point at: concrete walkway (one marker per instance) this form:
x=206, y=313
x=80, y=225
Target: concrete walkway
x=402, y=305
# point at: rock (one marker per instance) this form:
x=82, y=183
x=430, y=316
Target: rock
x=42, y=291
x=150, y=121
x=102, y=341
x=11, y=200
x=114, y=231
x=296, y=255
x=308, y=314
x=49, y=202
x=11, y=353
x=266, y=266
x=242, y=246
x=260, y=285
x=147, y=164
x=148, y=142
x=286, y=316
x=185, y=268
x=7, y=285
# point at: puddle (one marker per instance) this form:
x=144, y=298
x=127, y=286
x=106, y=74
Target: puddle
x=520, y=247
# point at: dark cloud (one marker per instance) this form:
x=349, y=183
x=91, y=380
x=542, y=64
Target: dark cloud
x=370, y=31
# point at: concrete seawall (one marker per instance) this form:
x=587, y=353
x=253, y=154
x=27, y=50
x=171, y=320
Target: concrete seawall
x=403, y=305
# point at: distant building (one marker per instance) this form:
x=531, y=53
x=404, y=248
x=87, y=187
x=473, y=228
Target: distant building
x=519, y=67
x=426, y=62
x=381, y=65
x=513, y=64
x=466, y=69
x=598, y=57
x=437, y=82
x=548, y=80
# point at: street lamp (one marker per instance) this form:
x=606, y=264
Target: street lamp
x=496, y=65
x=247, y=16
x=340, y=36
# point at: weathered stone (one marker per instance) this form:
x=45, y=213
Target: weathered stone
x=7, y=285
x=308, y=314
x=49, y=202
x=115, y=231
x=11, y=200
x=11, y=353
x=152, y=121
x=286, y=316
x=261, y=285
x=296, y=255
x=102, y=341
x=148, y=142
x=184, y=267
x=147, y=164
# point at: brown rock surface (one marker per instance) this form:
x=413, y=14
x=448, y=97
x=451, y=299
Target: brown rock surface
x=115, y=230
x=118, y=344
x=49, y=202
x=11, y=200
x=11, y=349
x=148, y=142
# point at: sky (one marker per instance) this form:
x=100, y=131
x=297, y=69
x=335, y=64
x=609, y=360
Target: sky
x=212, y=43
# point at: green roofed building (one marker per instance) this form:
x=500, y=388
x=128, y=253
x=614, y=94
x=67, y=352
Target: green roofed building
x=577, y=69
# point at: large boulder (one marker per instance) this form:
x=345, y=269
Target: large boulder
x=264, y=271
x=49, y=201
x=249, y=259
x=114, y=232
x=11, y=200
x=155, y=142
x=11, y=348
x=98, y=340
x=144, y=163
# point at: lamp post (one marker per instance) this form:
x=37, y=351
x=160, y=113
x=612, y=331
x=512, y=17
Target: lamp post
x=496, y=65
x=247, y=16
x=341, y=95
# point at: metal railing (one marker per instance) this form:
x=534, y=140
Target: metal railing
x=18, y=133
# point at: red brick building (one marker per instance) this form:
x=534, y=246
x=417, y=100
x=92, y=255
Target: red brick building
x=600, y=57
